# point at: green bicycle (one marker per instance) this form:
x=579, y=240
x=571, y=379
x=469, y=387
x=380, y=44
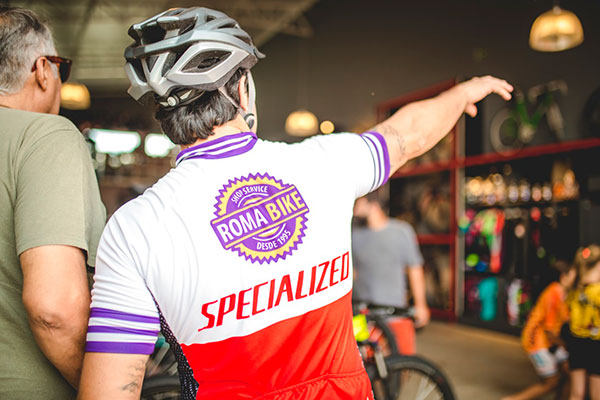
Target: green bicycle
x=513, y=128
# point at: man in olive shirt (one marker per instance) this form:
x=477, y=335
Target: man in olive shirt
x=51, y=218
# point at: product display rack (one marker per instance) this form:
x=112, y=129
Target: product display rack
x=453, y=169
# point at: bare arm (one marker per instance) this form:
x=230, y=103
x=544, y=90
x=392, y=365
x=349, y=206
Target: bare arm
x=416, y=281
x=57, y=300
x=112, y=376
x=417, y=127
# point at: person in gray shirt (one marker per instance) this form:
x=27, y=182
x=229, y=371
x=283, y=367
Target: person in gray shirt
x=386, y=251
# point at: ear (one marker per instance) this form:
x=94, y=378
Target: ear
x=243, y=93
x=43, y=72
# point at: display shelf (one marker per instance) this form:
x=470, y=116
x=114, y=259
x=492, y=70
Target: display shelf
x=435, y=239
x=557, y=234
x=425, y=169
x=534, y=151
x=583, y=152
x=530, y=204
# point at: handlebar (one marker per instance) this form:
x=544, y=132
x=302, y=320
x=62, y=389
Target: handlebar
x=383, y=311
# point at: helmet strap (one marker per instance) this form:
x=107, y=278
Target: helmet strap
x=249, y=117
x=179, y=98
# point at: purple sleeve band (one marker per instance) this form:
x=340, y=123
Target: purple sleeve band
x=386, y=154
x=128, y=331
x=121, y=348
x=97, y=312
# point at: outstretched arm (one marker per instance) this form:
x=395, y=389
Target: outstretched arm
x=418, y=126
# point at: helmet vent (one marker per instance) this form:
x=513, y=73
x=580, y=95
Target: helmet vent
x=152, y=34
x=188, y=27
x=139, y=71
x=151, y=61
x=206, y=61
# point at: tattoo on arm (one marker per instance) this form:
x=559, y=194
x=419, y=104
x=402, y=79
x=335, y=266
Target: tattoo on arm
x=401, y=146
x=136, y=374
x=392, y=135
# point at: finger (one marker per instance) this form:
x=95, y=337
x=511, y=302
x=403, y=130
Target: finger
x=503, y=93
x=471, y=110
x=507, y=86
x=499, y=82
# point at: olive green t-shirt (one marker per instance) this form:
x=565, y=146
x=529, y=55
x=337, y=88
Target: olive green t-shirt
x=48, y=196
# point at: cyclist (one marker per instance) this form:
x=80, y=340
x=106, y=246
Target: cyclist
x=385, y=251
x=241, y=254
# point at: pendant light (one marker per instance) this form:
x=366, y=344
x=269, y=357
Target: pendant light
x=301, y=123
x=74, y=96
x=556, y=30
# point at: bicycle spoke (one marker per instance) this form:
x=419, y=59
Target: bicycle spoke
x=425, y=388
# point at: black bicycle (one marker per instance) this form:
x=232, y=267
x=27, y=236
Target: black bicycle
x=397, y=376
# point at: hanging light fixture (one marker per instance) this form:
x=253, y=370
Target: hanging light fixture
x=301, y=123
x=556, y=30
x=74, y=96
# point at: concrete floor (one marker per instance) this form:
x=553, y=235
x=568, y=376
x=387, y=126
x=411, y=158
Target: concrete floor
x=481, y=364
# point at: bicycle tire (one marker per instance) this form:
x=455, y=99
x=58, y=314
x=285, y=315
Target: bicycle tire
x=410, y=378
x=504, y=137
x=161, y=387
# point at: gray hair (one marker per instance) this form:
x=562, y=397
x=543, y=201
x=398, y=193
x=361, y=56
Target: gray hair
x=24, y=37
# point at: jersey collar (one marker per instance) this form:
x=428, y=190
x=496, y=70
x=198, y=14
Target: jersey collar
x=223, y=147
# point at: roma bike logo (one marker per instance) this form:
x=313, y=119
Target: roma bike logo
x=260, y=217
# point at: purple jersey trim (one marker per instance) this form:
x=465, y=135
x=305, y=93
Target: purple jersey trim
x=386, y=155
x=98, y=312
x=212, y=149
x=128, y=331
x=122, y=348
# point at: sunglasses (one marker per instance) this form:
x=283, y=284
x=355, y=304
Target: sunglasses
x=64, y=66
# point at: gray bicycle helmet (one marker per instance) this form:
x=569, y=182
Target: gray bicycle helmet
x=195, y=48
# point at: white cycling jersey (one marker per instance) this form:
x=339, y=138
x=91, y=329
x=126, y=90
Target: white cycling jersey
x=241, y=256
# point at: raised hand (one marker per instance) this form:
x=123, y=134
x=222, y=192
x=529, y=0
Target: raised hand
x=477, y=88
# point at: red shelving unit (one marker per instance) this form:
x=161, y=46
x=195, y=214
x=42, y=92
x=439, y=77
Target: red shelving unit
x=454, y=168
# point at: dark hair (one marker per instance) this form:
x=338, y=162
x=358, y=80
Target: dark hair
x=555, y=270
x=379, y=196
x=188, y=123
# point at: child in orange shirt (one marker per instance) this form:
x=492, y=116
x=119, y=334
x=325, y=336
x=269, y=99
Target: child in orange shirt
x=541, y=334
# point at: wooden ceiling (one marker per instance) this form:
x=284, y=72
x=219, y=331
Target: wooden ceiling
x=94, y=32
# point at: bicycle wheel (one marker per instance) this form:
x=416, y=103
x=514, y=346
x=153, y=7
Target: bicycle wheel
x=504, y=132
x=410, y=378
x=164, y=387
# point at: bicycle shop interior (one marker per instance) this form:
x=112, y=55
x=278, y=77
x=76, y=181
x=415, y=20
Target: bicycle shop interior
x=493, y=204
